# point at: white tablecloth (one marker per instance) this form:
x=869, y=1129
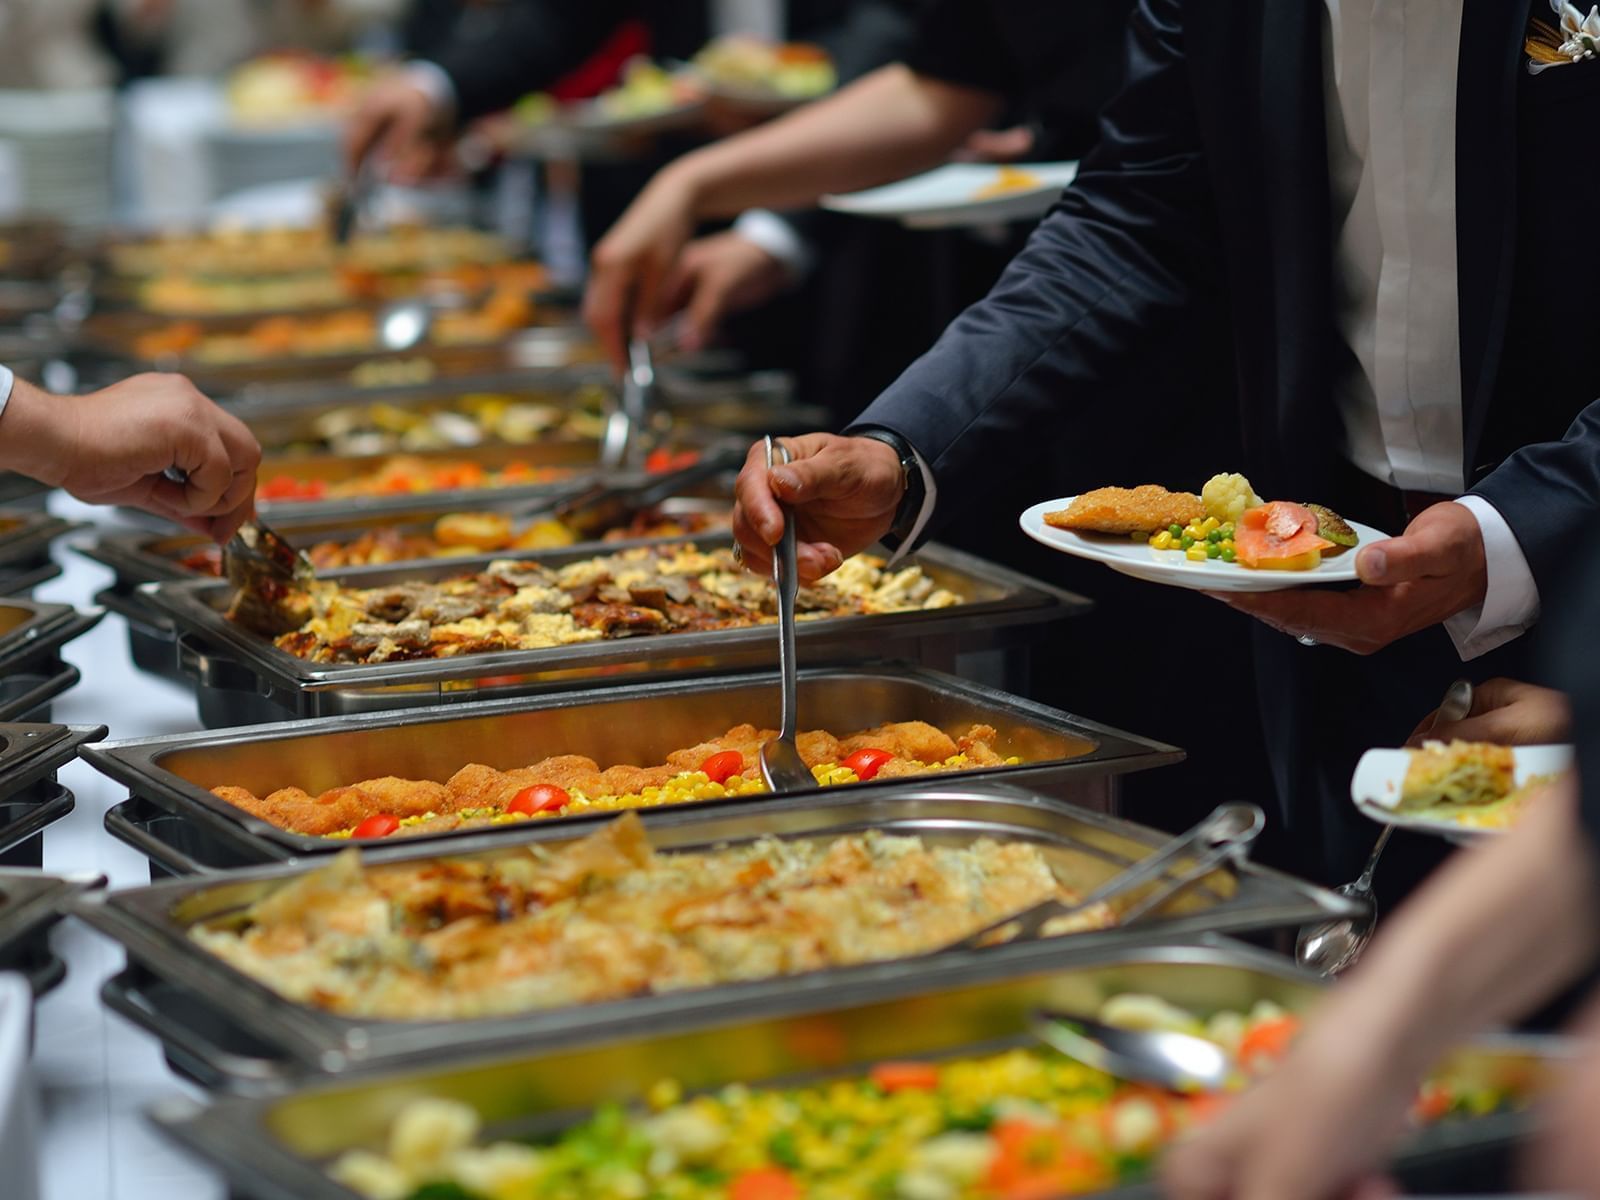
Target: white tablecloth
x=97, y=1073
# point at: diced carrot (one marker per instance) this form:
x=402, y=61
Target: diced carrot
x=1268, y=1039
x=764, y=1183
x=905, y=1076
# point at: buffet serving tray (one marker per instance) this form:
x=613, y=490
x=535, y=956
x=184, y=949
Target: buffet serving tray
x=31, y=670
x=111, y=336
x=274, y=1147
x=30, y=796
x=230, y=1031
x=31, y=902
x=243, y=678
x=184, y=829
x=25, y=540
x=138, y=557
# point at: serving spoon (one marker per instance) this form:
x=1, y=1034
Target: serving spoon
x=1330, y=947
x=781, y=765
x=1175, y=1062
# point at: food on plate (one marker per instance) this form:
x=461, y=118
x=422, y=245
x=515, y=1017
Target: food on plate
x=1011, y=1124
x=608, y=917
x=1280, y=536
x=403, y=475
x=745, y=64
x=1227, y=523
x=1128, y=510
x=1006, y=181
x=1227, y=496
x=349, y=331
x=289, y=87
x=647, y=89
x=521, y=605
x=1472, y=783
x=726, y=767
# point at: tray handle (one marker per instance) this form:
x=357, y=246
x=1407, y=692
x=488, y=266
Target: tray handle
x=192, y=1053
x=41, y=693
x=197, y=660
x=127, y=829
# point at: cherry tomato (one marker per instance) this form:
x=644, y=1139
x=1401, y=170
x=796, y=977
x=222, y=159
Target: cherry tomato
x=279, y=487
x=905, y=1076
x=723, y=765
x=764, y=1183
x=867, y=762
x=376, y=826
x=541, y=797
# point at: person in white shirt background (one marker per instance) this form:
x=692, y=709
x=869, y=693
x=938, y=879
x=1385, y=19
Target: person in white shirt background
x=1368, y=190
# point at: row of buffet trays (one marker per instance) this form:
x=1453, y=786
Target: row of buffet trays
x=293, y=1086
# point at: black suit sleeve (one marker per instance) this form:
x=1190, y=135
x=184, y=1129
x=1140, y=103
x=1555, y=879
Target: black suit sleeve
x=1572, y=663
x=500, y=54
x=866, y=35
x=1104, y=279
x=1549, y=493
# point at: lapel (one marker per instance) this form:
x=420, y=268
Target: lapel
x=1486, y=197
x=1299, y=224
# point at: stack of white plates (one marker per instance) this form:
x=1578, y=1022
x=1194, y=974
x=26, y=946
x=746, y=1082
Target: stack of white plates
x=244, y=157
x=60, y=146
x=19, y=1125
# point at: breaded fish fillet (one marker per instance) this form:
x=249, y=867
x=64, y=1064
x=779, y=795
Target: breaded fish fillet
x=1128, y=510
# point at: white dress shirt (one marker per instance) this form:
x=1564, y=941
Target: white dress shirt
x=1391, y=68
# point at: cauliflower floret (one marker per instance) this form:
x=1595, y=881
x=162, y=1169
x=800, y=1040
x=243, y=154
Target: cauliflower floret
x=502, y=1171
x=428, y=1131
x=371, y=1175
x=1140, y=1012
x=1226, y=497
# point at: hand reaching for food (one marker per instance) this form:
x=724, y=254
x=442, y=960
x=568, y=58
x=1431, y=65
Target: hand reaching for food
x=1508, y=712
x=843, y=492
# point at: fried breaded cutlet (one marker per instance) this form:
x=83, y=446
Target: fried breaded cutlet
x=1128, y=510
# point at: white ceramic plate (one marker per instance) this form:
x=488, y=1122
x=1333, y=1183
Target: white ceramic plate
x=1174, y=570
x=1375, y=788
x=947, y=197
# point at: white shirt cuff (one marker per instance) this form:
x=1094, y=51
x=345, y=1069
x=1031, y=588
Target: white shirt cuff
x=1510, y=601
x=778, y=238
x=433, y=81
x=7, y=381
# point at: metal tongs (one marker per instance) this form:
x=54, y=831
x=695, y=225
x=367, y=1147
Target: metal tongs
x=781, y=765
x=1223, y=837
x=349, y=198
x=257, y=552
x=605, y=505
x=626, y=426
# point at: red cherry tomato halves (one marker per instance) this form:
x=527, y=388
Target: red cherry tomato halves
x=867, y=762
x=723, y=765
x=376, y=826
x=541, y=797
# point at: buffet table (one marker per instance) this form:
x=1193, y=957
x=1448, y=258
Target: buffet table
x=95, y=1072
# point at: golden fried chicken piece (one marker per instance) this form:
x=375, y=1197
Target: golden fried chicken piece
x=406, y=797
x=904, y=739
x=977, y=744
x=1128, y=510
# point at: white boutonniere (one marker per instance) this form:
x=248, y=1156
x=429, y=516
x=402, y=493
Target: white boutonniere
x=1575, y=39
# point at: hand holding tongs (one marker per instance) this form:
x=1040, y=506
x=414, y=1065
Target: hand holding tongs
x=256, y=550
x=1224, y=836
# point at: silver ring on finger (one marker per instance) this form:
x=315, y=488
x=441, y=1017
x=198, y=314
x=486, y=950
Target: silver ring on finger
x=1307, y=640
x=738, y=553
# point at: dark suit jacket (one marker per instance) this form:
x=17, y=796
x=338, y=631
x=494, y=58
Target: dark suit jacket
x=501, y=52
x=1212, y=176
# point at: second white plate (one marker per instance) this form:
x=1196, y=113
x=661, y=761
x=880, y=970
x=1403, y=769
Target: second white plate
x=1380, y=775
x=949, y=196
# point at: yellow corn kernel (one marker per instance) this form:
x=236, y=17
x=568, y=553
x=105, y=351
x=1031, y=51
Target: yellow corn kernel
x=1195, y=553
x=1209, y=524
x=1162, y=540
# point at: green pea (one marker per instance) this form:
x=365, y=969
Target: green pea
x=1187, y=541
x=1175, y=530
x=1213, y=551
x=1227, y=553
x=1214, y=536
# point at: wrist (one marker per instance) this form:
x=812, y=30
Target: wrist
x=32, y=434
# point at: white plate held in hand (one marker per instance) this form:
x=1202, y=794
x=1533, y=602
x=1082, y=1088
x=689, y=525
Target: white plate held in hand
x=1375, y=787
x=1172, y=568
x=951, y=196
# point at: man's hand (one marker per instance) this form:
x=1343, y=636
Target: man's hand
x=1430, y=573
x=717, y=276
x=398, y=123
x=111, y=447
x=843, y=492
x=1507, y=712
x=629, y=269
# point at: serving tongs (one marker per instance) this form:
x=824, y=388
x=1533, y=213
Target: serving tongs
x=349, y=199
x=781, y=765
x=1224, y=837
x=608, y=505
x=625, y=428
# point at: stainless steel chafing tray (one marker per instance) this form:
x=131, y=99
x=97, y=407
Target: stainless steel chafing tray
x=111, y=336
x=242, y=677
x=30, y=797
x=276, y=1147
x=140, y=557
x=185, y=829
x=206, y=1011
x=31, y=671
x=30, y=903
x=25, y=539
